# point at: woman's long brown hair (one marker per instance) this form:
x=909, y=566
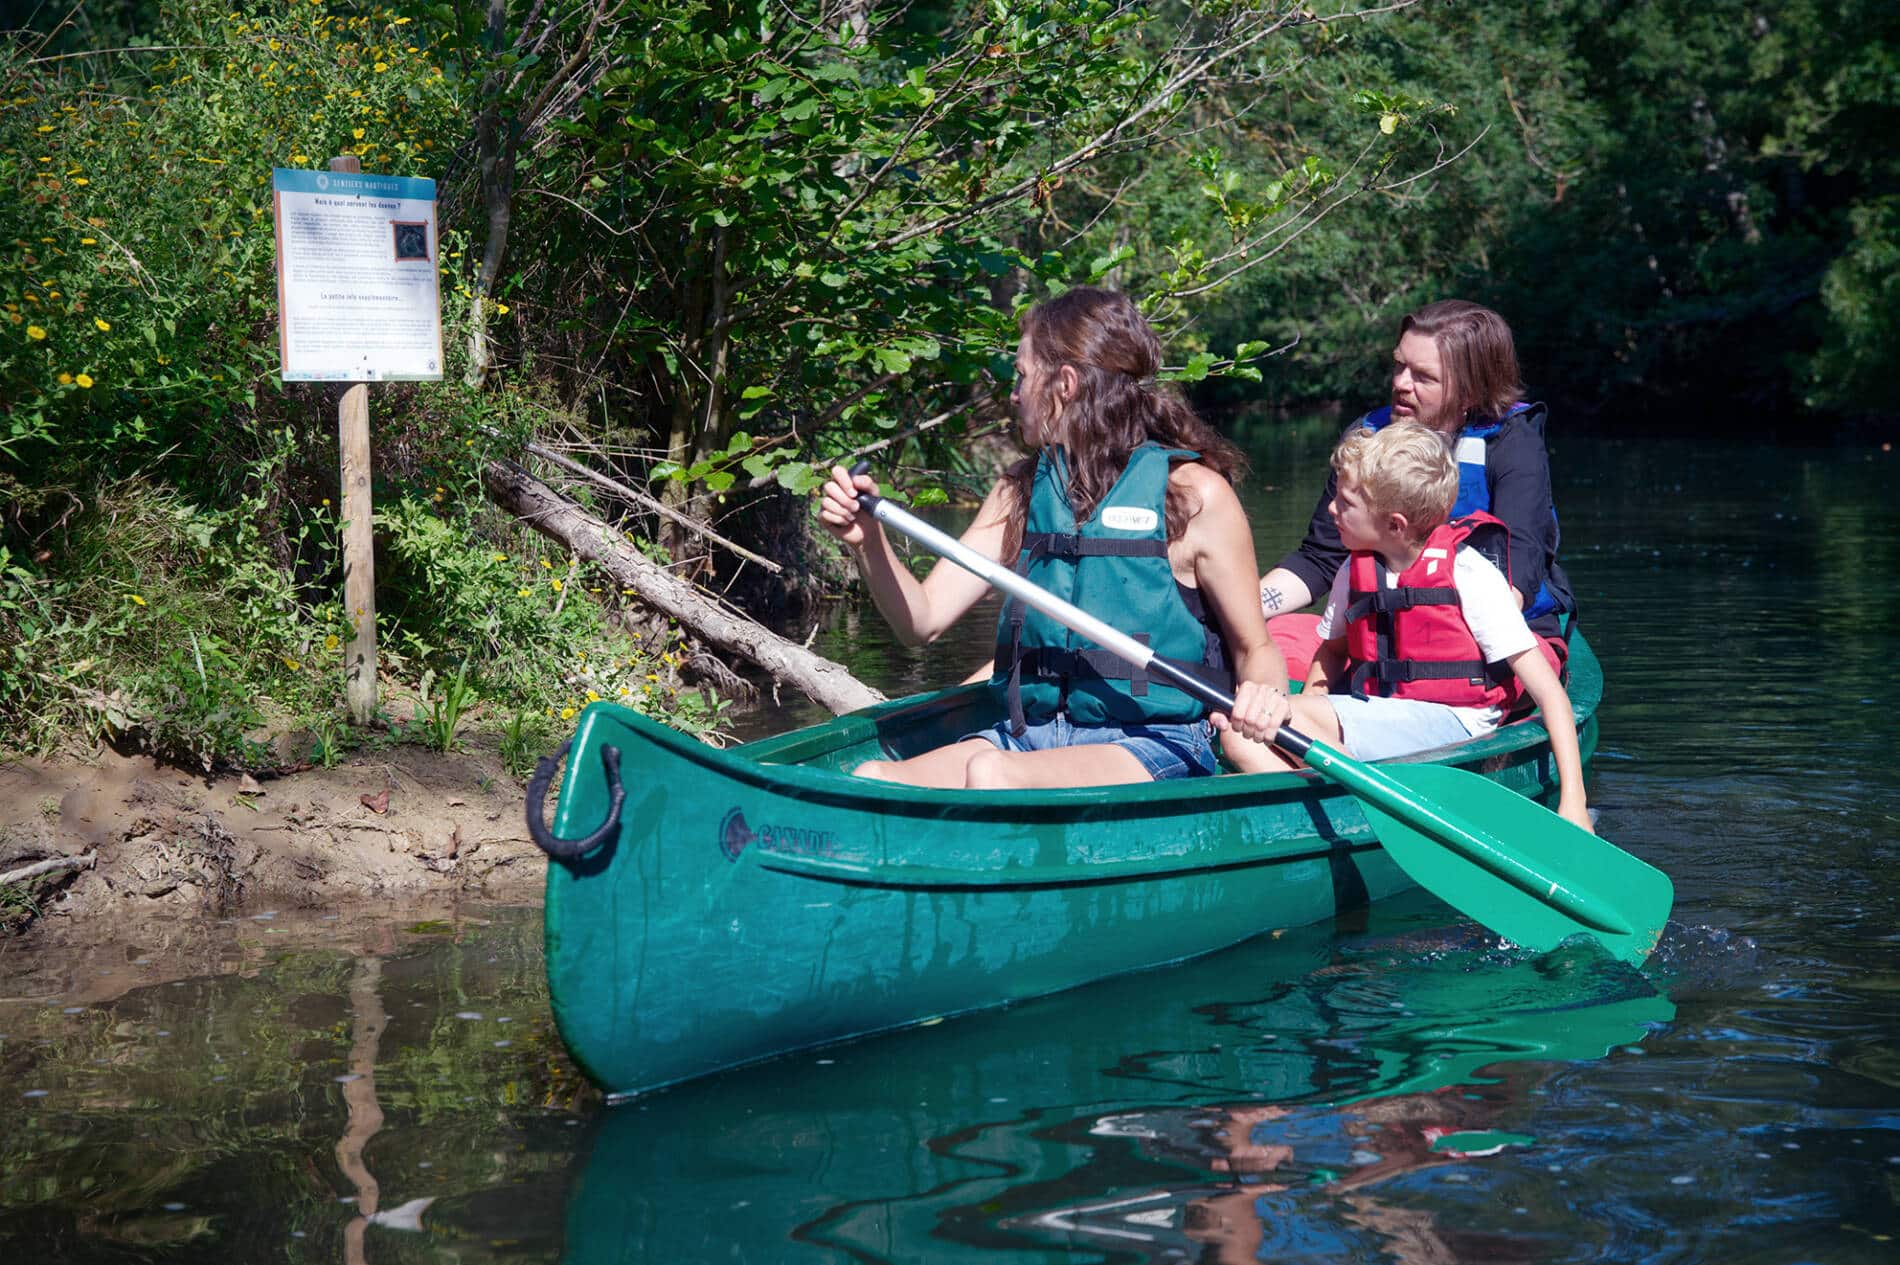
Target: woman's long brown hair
x=1117, y=406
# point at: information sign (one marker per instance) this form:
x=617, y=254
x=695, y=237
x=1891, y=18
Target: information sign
x=356, y=277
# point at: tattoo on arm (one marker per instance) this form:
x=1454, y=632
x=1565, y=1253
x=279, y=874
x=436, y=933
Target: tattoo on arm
x=1271, y=599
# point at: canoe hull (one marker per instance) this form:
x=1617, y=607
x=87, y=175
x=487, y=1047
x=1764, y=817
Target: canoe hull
x=759, y=900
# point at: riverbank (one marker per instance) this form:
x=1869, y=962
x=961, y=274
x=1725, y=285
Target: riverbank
x=142, y=840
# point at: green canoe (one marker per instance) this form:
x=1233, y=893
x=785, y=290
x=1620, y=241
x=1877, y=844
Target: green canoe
x=746, y=902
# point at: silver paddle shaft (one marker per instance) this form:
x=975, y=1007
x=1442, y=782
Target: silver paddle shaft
x=1074, y=618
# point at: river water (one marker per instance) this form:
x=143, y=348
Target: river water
x=386, y=1086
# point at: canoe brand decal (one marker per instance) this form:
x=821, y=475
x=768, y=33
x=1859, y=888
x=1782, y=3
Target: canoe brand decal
x=735, y=836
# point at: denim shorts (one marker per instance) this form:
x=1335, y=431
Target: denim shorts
x=1378, y=728
x=1166, y=751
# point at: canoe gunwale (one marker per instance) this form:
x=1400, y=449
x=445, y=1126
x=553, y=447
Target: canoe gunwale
x=753, y=765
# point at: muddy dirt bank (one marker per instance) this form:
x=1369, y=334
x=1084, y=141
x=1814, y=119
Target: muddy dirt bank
x=160, y=842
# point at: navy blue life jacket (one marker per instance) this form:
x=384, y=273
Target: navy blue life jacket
x=1474, y=489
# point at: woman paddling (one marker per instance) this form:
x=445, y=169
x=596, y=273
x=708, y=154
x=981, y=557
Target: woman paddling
x=1127, y=510
x=1454, y=370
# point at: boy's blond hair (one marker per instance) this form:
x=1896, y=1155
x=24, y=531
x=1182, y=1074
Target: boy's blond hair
x=1403, y=468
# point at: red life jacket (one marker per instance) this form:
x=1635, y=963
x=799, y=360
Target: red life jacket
x=1411, y=641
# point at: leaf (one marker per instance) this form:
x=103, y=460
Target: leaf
x=920, y=348
x=799, y=477
x=1197, y=366
x=719, y=480
x=1388, y=123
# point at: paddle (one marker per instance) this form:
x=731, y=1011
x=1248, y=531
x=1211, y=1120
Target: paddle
x=1551, y=881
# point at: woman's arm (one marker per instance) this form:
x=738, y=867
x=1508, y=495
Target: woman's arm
x=1518, y=470
x=1282, y=591
x=1220, y=544
x=918, y=611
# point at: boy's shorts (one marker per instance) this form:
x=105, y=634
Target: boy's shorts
x=1377, y=728
x=1166, y=751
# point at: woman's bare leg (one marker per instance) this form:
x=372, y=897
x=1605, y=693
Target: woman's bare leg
x=978, y=764
x=944, y=767
x=1097, y=764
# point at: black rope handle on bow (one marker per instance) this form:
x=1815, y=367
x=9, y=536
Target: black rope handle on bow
x=572, y=849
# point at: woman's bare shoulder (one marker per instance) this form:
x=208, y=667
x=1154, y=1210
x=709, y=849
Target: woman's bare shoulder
x=1207, y=486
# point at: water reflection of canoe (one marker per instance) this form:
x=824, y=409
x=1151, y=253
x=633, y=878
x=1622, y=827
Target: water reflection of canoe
x=1016, y=1133
x=758, y=900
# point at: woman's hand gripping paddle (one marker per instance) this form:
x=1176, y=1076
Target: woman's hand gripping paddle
x=1501, y=859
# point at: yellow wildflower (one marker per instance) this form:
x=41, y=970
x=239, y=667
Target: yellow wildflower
x=65, y=379
x=139, y=600
x=81, y=180
x=331, y=642
x=326, y=502
x=84, y=380
x=502, y=308
x=556, y=584
x=567, y=713
x=34, y=332
x=45, y=127
x=88, y=241
x=523, y=592
x=547, y=564
x=380, y=67
x=592, y=697
x=292, y=664
x=357, y=132
x=101, y=324
x=501, y=557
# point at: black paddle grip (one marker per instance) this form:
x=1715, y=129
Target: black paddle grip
x=545, y=839
x=866, y=500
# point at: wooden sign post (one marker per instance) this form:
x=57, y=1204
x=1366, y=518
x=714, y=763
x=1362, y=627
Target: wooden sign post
x=359, y=543
x=358, y=302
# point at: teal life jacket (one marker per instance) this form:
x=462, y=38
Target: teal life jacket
x=1115, y=567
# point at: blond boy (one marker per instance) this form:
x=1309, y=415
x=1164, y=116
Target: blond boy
x=1422, y=644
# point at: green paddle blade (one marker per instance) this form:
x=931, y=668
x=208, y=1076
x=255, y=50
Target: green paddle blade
x=1449, y=829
